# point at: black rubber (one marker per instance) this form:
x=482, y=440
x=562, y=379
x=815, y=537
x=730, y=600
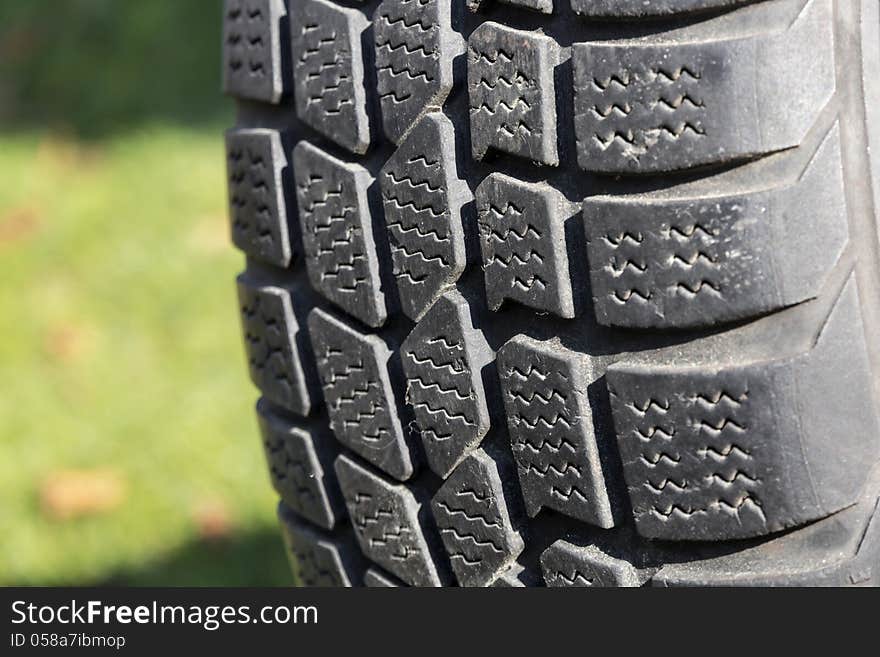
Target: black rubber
x=563, y=292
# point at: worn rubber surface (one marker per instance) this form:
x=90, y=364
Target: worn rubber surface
x=563, y=292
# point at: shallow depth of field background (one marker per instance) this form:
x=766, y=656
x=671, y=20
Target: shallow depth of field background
x=128, y=449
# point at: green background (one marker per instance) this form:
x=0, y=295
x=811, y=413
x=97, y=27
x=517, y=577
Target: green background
x=119, y=348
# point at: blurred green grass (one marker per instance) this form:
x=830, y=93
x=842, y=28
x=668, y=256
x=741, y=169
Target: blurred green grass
x=97, y=67
x=119, y=343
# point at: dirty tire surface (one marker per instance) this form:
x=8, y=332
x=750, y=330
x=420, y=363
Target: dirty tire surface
x=562, y=292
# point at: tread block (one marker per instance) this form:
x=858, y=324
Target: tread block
x=649, y=107
x=252, y=49
x=376, y=578
x=257, y=209
x=353, y=369
x=512, y=92
x=442, y=358
x=475, y=523
x=544, y=6
x=515, y=577
x=273, y=344
x=843, y=550
x=551, y=430
x=422, y=196
x=415, y=48
x=566, y=564
x=328, y=69
x=385, y=518
x=340, y=251
x=299, y=462
x=317, y=560
x=661, y=262
x=522, y=238
x=635, y=8
x=716, y=452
